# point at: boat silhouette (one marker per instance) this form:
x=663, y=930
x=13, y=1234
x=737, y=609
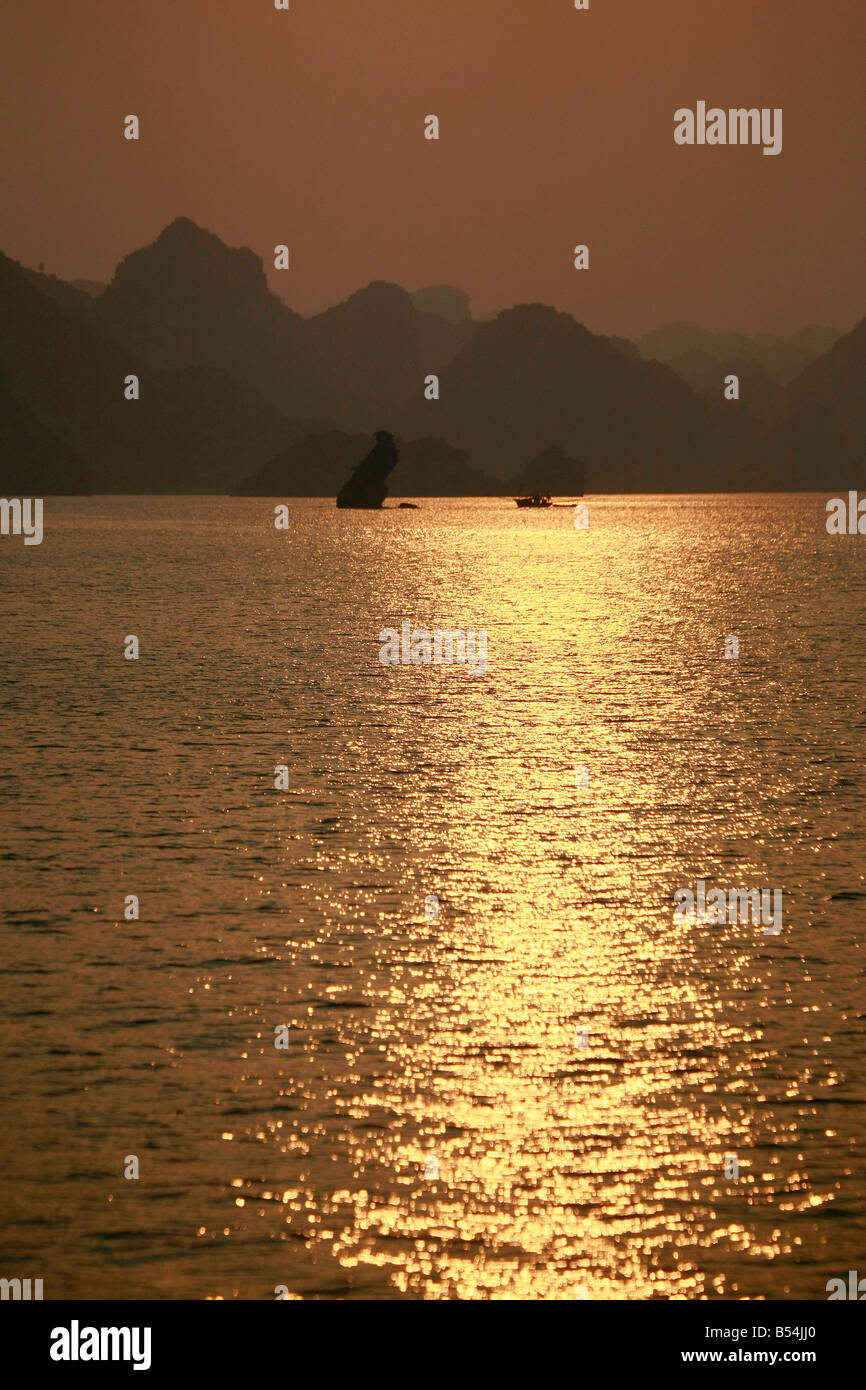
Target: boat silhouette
x=535, y=499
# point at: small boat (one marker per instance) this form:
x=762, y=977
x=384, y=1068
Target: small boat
x=536, y=499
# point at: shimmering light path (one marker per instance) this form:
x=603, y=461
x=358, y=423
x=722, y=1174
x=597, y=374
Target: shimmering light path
x=562, y=1170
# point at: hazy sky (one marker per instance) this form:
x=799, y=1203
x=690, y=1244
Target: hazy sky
x=306, y=127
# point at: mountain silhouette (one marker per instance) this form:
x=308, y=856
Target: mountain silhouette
x=317, y=466
x=194, y=430
x=233, y=381
x=93, y=288
x=445, y=301
x=553, y=472
x=820, y=441
x=533, y=377
x=362, y=357
x=703, y=358
x=431, y=467
x=35, y=461
x=190, y=300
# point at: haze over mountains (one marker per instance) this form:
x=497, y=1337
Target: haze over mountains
x=697, y=354
x=239, y=392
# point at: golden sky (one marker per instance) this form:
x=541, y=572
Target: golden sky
x=306, y=127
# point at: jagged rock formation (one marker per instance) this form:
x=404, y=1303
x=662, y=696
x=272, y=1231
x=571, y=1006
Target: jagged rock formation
x=367, y=487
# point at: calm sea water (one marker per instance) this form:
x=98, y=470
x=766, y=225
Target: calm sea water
x=562, y=1169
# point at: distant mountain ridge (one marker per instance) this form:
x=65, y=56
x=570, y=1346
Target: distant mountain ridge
x=702, y=357
x=190, y=300
x=232, y=379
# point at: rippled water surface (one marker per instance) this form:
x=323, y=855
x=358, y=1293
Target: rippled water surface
x=564, y=1170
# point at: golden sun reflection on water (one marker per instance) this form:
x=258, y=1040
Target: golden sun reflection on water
x=534, y=1095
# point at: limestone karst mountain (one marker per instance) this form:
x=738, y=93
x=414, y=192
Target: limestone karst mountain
x=318, y=464
x=551, y=472
x=66, y=295
x=188, y=299
x=232, y=379
x=193, y=430
x=431, y=467
x=760, y=394
x=820, y=439
x=34, y=459
x=696, y=352
x=315, y=466
x=533, y=377
x=93, y=288
x=362, y=357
